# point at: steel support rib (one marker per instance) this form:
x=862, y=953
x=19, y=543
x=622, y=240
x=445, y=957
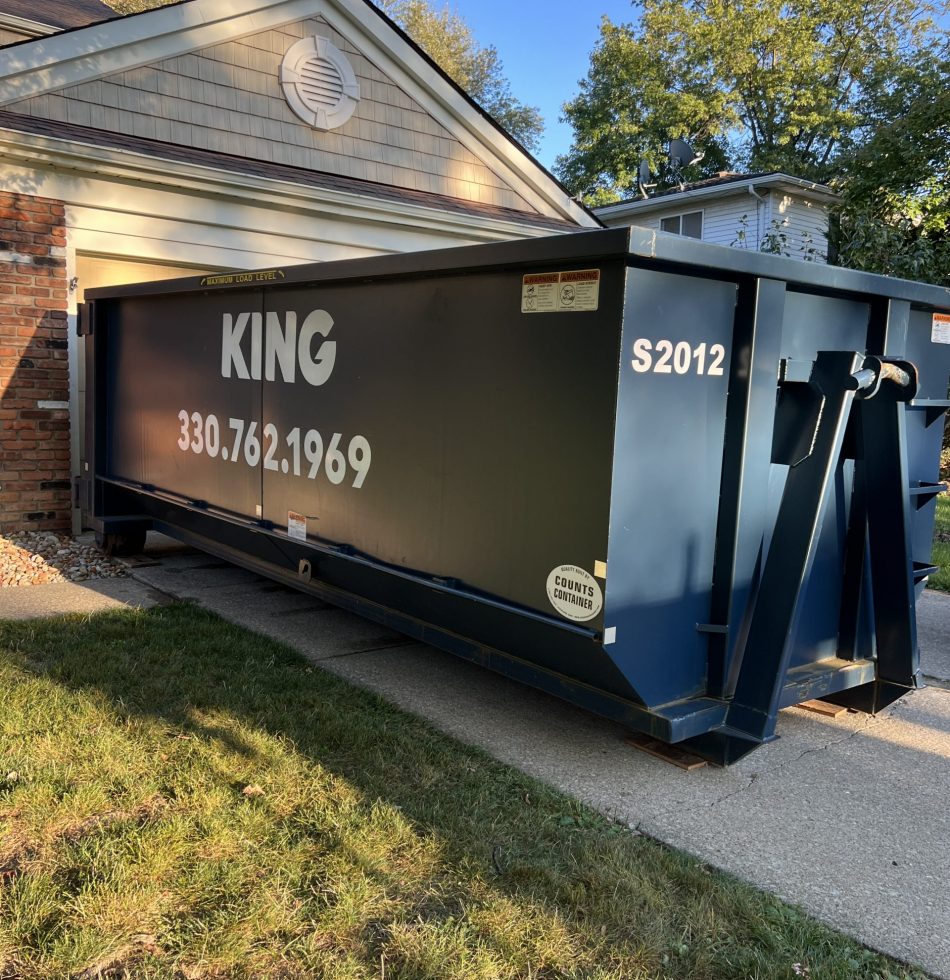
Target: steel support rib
x=774, y=622
x=743, y=507
x=889, y=521
x=883, y=441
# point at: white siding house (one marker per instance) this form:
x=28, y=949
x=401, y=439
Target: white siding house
x=767, y=212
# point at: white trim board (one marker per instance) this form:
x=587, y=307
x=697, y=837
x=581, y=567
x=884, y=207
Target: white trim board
x=59, y=61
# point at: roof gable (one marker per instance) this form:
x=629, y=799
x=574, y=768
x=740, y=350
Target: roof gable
x=227, y=98
x=415, y=130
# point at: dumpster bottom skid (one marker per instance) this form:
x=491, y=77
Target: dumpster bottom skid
x=499, y=471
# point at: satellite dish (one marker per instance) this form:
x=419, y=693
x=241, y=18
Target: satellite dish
x=643, y=179
x=682, y=155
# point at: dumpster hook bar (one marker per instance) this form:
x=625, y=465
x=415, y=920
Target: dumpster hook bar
x=877, y=370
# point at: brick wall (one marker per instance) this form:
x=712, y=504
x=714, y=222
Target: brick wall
x=34, y=437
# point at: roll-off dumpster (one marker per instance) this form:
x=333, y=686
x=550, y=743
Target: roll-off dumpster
x=681, y=485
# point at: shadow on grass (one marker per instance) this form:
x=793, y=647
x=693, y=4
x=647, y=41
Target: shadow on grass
x=297, y=826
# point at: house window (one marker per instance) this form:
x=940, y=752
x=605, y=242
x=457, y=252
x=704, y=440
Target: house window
x=689, y=224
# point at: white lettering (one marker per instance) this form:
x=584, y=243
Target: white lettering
x=317, y=369
x=642, y=359
x=278, y=346
x=231, y=354
x=680, y=357
x=256, y=330
x=281, y=346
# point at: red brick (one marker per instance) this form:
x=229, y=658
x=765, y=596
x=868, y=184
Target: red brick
x=27, y=223
x=20, y=215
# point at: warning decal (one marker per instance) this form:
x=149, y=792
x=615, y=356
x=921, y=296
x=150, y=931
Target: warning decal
x=296, y=526
x=560, y=292
x=940, y=333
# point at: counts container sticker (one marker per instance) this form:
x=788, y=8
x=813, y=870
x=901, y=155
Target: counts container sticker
x=940, y=332
x=574, y=593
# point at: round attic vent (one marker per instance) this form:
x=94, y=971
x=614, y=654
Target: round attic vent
x=319, y=83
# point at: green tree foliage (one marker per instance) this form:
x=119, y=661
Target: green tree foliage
x=895, y=213
x=136, y=6
x=756, y=84
x=449, y=41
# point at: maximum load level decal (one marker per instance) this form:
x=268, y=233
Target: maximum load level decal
x=574, y=593
x=577, y=291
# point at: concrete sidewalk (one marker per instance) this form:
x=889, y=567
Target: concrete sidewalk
x=92, y=596
x=848, y=818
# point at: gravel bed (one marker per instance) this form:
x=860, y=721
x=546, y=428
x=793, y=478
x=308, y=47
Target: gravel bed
x=41, y=557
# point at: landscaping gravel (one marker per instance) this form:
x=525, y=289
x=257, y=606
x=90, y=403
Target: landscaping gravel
x=41, y=557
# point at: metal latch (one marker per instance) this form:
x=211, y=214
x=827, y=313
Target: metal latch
x=86, y=318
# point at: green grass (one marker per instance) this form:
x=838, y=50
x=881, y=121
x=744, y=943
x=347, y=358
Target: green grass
x=941, y=552
x=181, y=798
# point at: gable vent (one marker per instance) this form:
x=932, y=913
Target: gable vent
x=319, y=83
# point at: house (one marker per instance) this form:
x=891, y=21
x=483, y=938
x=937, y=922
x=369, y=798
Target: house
x=770, y=212
x=216, y=135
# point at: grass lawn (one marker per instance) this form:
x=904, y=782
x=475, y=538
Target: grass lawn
x=180, y=798
x=941, y=553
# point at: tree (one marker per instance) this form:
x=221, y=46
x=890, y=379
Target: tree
x=895, y=213
x=449, y=41
x=756, y=84
x=136, y=6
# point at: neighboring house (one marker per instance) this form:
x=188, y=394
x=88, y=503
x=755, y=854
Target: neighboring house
x=210, y=135
x=770, y=212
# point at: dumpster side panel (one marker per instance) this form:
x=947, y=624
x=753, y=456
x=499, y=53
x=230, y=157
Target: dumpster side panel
x=668, y=448
x=474, y=440
x=165, y=378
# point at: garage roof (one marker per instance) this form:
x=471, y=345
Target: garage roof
x=60, y=14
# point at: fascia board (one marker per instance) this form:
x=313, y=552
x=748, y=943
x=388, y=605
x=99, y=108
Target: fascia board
x=59, y=61
x=29, y=151
x=65, y=59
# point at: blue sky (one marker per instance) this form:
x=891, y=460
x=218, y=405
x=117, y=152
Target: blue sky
x=545, y=47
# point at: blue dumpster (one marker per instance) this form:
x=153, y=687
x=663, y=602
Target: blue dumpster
x=680, y=485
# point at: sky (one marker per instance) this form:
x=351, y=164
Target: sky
x=545, y=48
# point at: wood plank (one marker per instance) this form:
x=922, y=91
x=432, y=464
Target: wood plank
x=824, y=708
x=666, y=752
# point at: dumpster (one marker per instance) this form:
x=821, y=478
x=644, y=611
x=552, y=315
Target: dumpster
x=680, y=485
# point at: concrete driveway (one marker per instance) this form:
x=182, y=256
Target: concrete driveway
x=847, y=817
